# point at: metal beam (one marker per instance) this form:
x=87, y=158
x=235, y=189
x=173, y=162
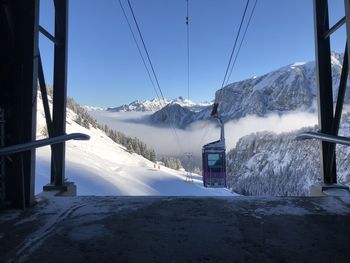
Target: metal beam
x=47, y=34
x=41, y=143
x=324, y=137
x=48, y=119
x=18, y=64
x=341, y=91
x=59, y=90
x=335, y=27
x=44, y=98
x=339, y=107
x=347, y=17
x=2, y=158
x=324, y=88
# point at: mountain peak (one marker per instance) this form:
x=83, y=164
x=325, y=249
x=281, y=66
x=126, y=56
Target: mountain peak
x=155, y=104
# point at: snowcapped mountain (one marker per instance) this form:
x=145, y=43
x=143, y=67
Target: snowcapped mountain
x=157, y=104
x=172, y=114
x=92, y=108
x=266, y=163
x=178, y=116
x=289, y=88
x=102, y=167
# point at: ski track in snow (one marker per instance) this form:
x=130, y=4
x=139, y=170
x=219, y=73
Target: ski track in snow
x=52, y=211
x=36, y=239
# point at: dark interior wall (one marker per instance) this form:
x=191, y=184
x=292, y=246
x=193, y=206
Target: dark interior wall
x=18, y=83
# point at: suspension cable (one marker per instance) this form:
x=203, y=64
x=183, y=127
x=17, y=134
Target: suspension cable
x=145, y=48
x=155, y=75
x=234, y=46
x=229, y=65
x=138, y=48
x=240, y=45
x=217, y=99
x=188, y=51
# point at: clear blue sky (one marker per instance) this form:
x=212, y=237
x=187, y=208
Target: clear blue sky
x=105, y=68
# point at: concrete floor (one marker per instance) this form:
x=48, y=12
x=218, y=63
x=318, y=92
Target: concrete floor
x=161, y=229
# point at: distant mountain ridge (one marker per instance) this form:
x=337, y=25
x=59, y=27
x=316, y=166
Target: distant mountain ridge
x=154, y=105
x=290, y=88
x=91, y=108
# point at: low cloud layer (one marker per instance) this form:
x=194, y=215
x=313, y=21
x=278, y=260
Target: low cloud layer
x=166, y=141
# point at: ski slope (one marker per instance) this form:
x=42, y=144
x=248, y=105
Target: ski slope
x=103, y=167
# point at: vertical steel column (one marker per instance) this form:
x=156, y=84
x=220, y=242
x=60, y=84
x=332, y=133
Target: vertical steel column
x=324, y=88
x=43, y=91
x=59, y=91
x=341, y=92
x=18, y=78
x=339, y=107
x=347, y=23
x=2, y=158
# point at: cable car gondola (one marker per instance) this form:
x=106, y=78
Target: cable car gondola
x=214, y=159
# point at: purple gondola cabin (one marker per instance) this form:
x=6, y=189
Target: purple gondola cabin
x=214, y=161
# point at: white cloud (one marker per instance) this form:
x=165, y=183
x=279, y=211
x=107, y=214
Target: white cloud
x=167, y=142
x=275, y=123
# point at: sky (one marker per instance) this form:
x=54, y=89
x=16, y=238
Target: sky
x=105, y=69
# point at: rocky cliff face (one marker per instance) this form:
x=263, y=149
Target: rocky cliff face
x=287, y=89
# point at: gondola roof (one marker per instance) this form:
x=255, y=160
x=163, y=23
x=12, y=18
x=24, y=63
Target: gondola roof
x=220, y=144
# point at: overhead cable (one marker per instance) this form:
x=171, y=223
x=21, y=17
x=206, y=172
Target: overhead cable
x=240, y=45
x=144, y=46
x=154, y=74
x=188, y=50
x=235, y=43
x=138, y=48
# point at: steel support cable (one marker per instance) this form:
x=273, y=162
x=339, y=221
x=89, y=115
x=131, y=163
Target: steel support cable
x=138, y=48
x=205, y=133
x=216, y=102
x=217, y=99
x=143, y=60
x=188, y=50
x=240, y=45
x=237, y=53
x=154, y=73
x=235, y=43
x=144, y=46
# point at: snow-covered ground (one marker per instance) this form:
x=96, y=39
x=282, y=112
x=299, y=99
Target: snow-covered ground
x=103, y=167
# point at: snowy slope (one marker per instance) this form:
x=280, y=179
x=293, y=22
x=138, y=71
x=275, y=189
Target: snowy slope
x=272, y=164
x=103, y=167
x=266, y=163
